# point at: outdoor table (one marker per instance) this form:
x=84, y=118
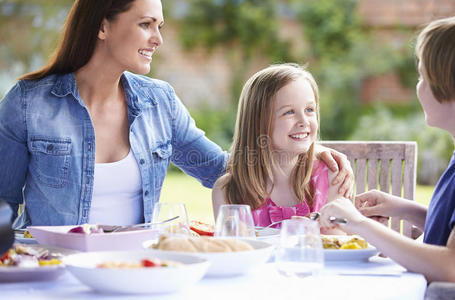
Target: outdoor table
x=380, y=278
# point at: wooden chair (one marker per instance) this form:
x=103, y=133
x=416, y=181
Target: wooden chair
x=386, y=166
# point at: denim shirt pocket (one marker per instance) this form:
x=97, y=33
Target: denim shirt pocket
x=50, y=160
x=161, y=156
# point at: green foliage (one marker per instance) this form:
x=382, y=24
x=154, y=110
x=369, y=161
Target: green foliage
x=341, y=54
x=217, y=124
x=435, y=146
x=247, y=25
x=331, y=26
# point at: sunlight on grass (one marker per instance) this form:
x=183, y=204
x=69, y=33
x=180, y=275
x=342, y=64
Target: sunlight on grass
x=197, y=198
x=180, y=187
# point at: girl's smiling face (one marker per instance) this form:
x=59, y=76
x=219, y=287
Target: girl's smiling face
x=295, y=120
x=133, y=36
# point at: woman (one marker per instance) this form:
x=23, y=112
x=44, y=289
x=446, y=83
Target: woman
x=435, y=258
x=83, y=140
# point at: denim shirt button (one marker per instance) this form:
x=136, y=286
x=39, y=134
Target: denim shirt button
x=50, y=147
x=142, y=161
x=146, y=193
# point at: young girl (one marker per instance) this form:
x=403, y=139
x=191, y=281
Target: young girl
x=272, y=166
x=435, y=258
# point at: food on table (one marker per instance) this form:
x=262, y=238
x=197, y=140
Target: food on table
x=21, y=256
x=201, y=244
x=144, y=263
x=343, y=242
x=86, y=229
x=28, y=235
x=202, y=228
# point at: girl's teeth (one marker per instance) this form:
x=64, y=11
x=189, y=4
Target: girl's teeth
x=299, y=136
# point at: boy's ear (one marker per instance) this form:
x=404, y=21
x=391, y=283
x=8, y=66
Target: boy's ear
x=102, y=31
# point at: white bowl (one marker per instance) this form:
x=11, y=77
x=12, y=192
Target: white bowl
x=230, y=263
x=136, y=281
x=58, y=236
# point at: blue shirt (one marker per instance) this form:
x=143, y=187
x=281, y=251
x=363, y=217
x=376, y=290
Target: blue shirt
x=47, y=146
x=441, y=211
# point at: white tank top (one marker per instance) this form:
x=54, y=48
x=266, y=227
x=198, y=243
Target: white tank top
x=117, y=193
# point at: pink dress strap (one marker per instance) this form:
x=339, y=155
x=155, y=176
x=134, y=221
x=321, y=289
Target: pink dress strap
x=269, y=212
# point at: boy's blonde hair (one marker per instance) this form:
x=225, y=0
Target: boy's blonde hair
x=251, y=161
x=436, y=50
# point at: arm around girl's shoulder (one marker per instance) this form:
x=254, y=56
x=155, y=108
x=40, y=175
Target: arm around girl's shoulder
x=218, y=195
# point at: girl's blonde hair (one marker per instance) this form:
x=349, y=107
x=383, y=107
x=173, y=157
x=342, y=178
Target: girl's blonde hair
x=251, y=161
x=436, y=50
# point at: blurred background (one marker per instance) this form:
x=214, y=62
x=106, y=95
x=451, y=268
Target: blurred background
x=361, y=53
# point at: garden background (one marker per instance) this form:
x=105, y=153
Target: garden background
x=360, y=52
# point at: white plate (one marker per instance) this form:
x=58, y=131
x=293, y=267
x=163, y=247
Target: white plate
x=16, y=274
x=349, y=254
x=19, y=238
x=270, y=235
x=136, y=281
x=232, y=263
x=58, y=236
x=44, y=273
x=268, y=232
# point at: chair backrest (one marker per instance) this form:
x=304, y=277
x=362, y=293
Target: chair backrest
x=386, y=166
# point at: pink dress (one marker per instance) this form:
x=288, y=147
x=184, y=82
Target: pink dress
x=270, y=212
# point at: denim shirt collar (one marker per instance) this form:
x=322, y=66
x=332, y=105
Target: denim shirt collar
x=65, y=84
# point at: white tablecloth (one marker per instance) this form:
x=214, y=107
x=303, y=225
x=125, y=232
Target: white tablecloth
x=347, y=280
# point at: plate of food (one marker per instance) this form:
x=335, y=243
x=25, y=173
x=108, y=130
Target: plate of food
x=228, y=256
x=24, y=237
x=346, y=247
x=92, y=237
x=32, y=263
x=136, y=272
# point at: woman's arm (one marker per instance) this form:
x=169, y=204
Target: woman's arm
x=339, y=164
x=192, y=151
x=14, y=156
x=218, y=196
x=437, y=263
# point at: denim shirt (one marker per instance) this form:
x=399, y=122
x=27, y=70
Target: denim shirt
x=47, y=146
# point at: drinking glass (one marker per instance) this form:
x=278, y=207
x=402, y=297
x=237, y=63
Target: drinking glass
x=234, y=221
x=300, y=251
x=164, y=211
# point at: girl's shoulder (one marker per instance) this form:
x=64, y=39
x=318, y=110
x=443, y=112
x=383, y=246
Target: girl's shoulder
x=222, y=181
x=320, y=167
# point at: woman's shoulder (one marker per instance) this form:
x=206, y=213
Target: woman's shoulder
x=47, y=82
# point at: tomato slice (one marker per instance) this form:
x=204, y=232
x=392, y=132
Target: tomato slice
x=202, y=228
x=148, y=263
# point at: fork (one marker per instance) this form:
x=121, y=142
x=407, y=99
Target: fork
x=315, y=215
x=268, y=226
x=129, y=227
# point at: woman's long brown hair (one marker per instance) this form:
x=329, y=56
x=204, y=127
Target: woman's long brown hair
x=251, y=161
x=79, y=36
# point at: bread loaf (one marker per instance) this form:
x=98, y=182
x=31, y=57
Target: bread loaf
x=201, y=244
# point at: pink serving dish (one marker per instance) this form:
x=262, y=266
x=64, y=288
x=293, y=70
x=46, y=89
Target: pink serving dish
x=58, y=236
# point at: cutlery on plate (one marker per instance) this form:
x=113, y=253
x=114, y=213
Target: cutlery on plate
x=268, y=226
x=315, y=215
x=131, y=227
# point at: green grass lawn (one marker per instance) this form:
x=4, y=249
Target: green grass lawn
x=179, y=187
